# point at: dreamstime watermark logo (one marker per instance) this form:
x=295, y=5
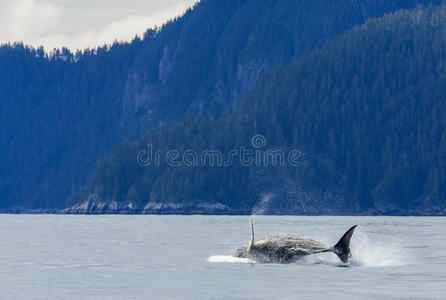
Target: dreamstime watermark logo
x=246, y=156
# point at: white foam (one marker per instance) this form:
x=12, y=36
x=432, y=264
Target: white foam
x=229, y=259
x=320, y=259
x=377, y=253
x=365, y=253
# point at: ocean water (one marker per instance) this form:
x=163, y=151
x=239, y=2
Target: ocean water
x=186, y=257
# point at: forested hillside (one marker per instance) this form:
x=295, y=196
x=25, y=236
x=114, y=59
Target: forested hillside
x=367, y=113
x=62, y=113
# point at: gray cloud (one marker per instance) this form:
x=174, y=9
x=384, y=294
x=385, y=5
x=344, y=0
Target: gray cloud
x=82, y=23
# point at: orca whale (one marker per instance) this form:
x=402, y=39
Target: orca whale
x=288, y=248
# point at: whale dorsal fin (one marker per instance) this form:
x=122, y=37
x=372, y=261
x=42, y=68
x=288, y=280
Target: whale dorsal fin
x=252, y=235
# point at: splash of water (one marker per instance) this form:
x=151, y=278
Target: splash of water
x=229, y=259
x=262, y=207
x=377, y=253
x=365, y=253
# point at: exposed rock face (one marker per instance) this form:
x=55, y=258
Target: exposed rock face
x=179, y=208
x=94, y=205
x=165, y=65
x=138, y=95
x=248, y=74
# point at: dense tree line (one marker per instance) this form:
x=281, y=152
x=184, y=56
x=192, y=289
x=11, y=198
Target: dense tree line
x=367, y=112
x=57, y=119
x=61, y=112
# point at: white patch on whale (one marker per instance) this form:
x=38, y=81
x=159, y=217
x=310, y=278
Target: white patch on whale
x=229, y=259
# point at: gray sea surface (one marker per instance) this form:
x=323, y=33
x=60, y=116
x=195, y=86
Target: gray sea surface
x=187, y=257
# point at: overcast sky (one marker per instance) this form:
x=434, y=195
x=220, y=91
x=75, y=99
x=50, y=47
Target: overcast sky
x=78, y=24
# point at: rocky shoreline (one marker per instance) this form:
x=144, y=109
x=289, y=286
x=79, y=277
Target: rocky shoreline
x=197, y=210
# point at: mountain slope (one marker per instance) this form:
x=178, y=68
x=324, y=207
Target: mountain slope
x=366, y=113
x=61, y=114
x=238, y=42
x=57, y=119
